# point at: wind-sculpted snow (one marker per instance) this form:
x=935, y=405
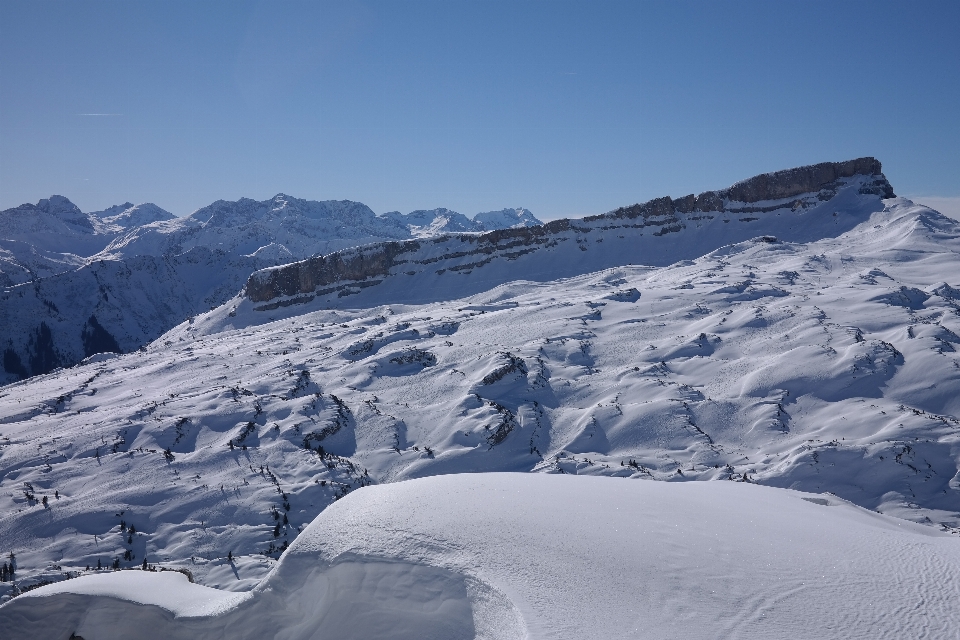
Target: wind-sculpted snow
x=813, y=366
x=513, y=556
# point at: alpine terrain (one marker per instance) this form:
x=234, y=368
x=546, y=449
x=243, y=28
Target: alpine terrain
x=369, y=426
x=76, y=284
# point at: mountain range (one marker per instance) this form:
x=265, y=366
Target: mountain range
x=75, y=283
x=371, y=425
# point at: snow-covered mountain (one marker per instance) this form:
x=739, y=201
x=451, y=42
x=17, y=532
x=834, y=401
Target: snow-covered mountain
x=432, y=222
x=50, y=237
x=129, y=215
x=116, y=279
x=798, y=205
x=798, y=330
x=505, y=219
x=426, y=223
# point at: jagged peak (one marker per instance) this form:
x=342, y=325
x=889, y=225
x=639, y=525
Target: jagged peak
x=54, y=205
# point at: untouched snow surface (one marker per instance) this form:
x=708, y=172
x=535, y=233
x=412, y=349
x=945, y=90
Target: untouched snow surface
x=504, y=556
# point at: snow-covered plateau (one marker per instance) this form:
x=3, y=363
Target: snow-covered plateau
x=317, y=451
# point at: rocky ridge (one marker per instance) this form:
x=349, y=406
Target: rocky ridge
x=128, y=273
x=804, y=194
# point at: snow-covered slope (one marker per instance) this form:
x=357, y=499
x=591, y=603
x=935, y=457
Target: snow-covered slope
x=432, y=222
x=824, y=366
x=504, y=556
x=810, y=343
x=137, y=270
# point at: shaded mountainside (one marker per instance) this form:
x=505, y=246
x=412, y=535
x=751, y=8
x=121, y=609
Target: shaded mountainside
x=137, y=270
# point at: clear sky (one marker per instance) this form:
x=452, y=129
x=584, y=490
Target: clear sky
x=566, y=108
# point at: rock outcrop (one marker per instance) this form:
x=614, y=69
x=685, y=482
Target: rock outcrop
x=801, y=191
x=821, y=179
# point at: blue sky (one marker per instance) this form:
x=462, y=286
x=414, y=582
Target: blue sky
x=566, y=108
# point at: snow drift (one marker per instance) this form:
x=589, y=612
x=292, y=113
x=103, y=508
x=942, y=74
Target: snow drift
x=532, y=556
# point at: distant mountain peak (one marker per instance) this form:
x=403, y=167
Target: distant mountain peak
x=506, y=219
x=55, y=205
x=58, y=204
x=128, y=215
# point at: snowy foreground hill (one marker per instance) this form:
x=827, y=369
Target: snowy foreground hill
x=512, y=556
x=798, y=331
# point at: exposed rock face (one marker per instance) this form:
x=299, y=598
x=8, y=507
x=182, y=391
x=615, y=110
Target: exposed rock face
x=793, y=182
x=817, y=178
x=308, y=275
x=798, y=190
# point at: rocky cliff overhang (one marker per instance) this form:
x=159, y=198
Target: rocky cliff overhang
x=344, y=272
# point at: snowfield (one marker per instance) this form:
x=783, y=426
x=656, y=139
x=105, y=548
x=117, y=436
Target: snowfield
x=325, y=452
x=547, y=556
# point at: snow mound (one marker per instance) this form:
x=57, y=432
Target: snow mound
x=547, y=556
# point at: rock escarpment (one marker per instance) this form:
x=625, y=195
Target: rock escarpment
x=822, y=179
x=796, y=204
